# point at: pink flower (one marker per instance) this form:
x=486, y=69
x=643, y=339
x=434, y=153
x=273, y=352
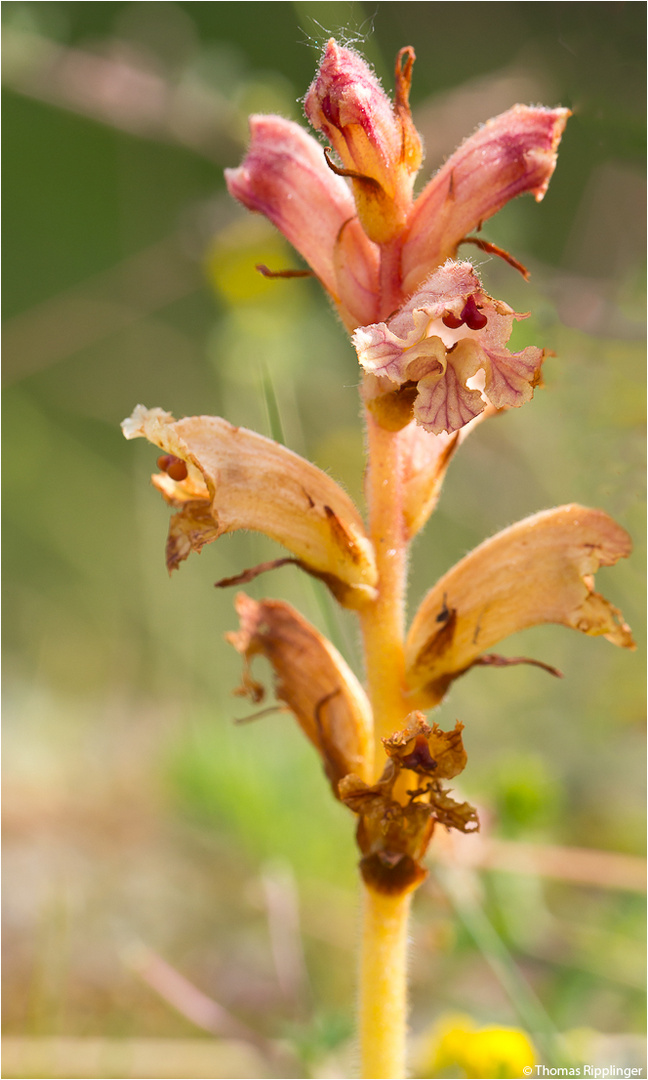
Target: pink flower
x=285, y=177
x=377, y=143
x=373, y=245
x=440, y=339
x=514, y=153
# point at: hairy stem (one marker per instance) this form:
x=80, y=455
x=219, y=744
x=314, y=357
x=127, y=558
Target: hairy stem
x=383, y=969
x=383, y=985
x=383, y=621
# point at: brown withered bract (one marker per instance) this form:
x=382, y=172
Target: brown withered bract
x=312, y=679
x=444, y=748
x=393, y=835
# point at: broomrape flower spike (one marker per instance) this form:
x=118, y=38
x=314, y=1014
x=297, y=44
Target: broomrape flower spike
x=432, y=345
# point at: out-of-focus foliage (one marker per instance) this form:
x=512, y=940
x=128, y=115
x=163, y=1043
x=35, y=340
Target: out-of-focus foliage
x=135, y=811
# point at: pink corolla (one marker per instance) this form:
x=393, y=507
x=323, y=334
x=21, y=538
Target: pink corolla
x=286, y=177
x=379, y=147
x=439, y=341
x=382, y=254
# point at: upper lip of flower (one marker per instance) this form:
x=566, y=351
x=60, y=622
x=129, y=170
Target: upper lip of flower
x=514, y=153
x=285, y=176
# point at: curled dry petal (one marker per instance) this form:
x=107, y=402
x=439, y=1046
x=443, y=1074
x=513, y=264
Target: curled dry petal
x=285, y=177
x=377, y=143
x=312, y=679
x=511, y=154
x=537, y=571
x=439, y=340
x=426, y=750
x=237, y=479
x=393, y=835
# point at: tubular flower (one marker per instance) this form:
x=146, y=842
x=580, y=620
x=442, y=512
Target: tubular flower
x=222, y=478
x=285, y=177
x=426, y=459
x=514, y=153
x=448, y=332
x=537, y=571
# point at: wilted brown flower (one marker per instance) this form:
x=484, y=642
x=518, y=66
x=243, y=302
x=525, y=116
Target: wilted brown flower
x=396, y=826
x=537, y=571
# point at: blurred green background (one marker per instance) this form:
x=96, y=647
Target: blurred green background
x=143, y=828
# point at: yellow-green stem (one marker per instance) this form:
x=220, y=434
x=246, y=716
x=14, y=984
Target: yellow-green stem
x=383, y=621
x=383, y=985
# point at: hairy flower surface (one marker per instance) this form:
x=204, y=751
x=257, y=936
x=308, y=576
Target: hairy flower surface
x=426, y=458
x=376, y=141
x=510, y=155
x=285, y=177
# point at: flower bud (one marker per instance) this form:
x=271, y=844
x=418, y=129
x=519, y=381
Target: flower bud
x=376, y=141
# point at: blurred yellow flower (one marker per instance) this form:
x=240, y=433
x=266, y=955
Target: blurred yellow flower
x=457, y=1047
